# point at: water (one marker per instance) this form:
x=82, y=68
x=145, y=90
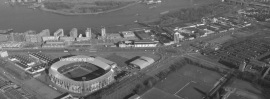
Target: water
x=21, y=18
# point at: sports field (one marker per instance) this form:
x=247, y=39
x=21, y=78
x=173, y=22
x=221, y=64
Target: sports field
x=79, y=72
x=190, y=82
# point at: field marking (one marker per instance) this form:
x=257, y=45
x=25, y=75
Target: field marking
x=181, y=89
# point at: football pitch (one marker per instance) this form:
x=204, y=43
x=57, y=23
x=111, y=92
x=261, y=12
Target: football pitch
x=190, y=82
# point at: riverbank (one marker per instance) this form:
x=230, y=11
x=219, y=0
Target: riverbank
x=67, y=13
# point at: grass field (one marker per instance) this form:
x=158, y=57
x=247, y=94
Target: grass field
x=190, y=82
x=79, y=72
x=197, y=90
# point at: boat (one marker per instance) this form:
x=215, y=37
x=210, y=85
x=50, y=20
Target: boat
x=152, y=7
x=5, y=31
x=164, y=12
x=136, y=21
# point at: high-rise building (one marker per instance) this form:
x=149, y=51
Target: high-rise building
x=43, y=33
x=73, y=33
x=103, y=32
x=176, y=37
x=17, y=37
x=88, y=33
x=31, y=36
x=59, y=32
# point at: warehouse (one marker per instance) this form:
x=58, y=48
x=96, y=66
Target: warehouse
x=142, y=62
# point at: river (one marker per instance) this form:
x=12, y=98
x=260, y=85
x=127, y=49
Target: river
x=21, y=18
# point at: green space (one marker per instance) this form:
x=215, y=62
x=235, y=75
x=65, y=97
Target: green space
x=192, y=14
x=185, y=82
x=191, y=91
x=85, y=7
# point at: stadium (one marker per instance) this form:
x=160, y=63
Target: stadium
x=81, y=74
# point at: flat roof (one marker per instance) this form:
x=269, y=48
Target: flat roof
x=142, y=35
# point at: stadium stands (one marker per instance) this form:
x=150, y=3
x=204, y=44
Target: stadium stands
x=37, y=69
x=22, y=59
x=41, y=57
x=81, y=77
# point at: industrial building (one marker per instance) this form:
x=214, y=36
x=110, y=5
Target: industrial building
x=94, y=74
x=142, y=62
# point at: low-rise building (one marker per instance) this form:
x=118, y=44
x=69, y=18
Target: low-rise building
x=4, y=53
x=53, y=45
x=126, y=44
x=145, y=43
x=127, y=34
x=11, y=45
x=142, y=62
x=3, y=38
x=55, y=42
x=66, y=38
x=141, y=43
x=82, y=38
x=50, y=38
x=142, y=35
x=114, y=36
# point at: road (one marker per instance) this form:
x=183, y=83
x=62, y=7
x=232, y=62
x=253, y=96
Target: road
x=21, y=84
